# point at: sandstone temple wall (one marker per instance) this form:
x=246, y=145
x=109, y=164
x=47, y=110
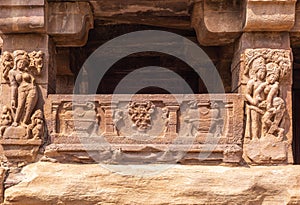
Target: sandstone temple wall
x=149, y=102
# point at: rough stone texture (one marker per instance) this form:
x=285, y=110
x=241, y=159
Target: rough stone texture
x=69, y=22
x=2, y=178
x=168, y=13
x=105, y=125
x=22, y=16
x=217, y=22
x=49, y=183
x=262, y=15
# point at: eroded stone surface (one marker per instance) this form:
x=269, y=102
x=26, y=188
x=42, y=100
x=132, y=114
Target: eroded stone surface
x=51, y=183
x=260, y=15
x=145, y=128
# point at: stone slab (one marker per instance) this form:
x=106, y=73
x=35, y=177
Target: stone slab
x=54, y=183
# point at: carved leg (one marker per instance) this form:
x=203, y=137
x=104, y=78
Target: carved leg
x=21, y=106
x=31, y=100
x=255, y=124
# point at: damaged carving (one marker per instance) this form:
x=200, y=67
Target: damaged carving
x=264, y=108
x=78, y=118
x=20, y=69
x=140, y=115
x=266, y=71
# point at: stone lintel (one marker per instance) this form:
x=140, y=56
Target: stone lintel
x=22, y=16
x=166, y=140
x=91, y=183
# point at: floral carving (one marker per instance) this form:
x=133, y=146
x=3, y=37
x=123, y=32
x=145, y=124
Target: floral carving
x=140, y=114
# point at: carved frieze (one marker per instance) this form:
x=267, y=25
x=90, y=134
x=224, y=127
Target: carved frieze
x=145, y=129
x=204, y=117
x=77, y=118
x=140, y=115
x=266, y=73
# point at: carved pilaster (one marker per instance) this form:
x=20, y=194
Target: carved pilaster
x=172, y=120
x=266, y=83
x=22, y=123
x=109, y=127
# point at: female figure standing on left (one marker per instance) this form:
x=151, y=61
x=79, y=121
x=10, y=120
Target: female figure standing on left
x=23, y=88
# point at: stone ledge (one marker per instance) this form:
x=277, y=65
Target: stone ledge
x=54, y=183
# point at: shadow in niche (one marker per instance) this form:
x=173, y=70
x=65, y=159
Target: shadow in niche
x=296, y=125
x=132, y=63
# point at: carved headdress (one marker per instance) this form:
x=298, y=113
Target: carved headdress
x=273, y=69
x=254, y=65
x=20, y=55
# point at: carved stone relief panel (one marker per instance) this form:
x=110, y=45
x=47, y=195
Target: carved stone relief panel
x=146, y=128
x=21, y=120
x=267, y=73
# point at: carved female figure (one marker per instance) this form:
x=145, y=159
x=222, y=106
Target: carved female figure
x=23, y=88
x=255, y=97
x=275, y=106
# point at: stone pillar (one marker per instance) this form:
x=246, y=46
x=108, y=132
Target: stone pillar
x=31, y=30
x=262, y=71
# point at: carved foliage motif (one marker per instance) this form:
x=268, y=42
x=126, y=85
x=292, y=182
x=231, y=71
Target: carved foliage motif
x=266, y=71
x=21, y=119
x=140, y=114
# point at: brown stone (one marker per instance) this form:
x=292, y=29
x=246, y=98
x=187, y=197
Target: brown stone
x=217, y=22
x=261, y=15
x=183, y=133
x=69, y=22
x=52, y=183
x=22, y=16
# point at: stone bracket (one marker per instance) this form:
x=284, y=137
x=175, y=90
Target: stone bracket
x=222, y=22
x=217, y=22
x=69, y=22
x=262, y=15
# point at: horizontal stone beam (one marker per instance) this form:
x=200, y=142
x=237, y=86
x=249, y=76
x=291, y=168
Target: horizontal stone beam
x=22, y=16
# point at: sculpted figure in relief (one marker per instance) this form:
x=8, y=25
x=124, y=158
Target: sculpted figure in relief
x=6, y=119
x=19, y=69
x=265, y=109
x=36, y=128
x=254, y=96
x=166, y=118
x=7, y=64
x=23, y=88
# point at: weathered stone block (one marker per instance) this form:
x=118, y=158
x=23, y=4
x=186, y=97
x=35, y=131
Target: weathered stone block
x=81, y=184
x=69, y=22
x=22, y=16
x=146, y=128
x=269, y=15
x=217, y=22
